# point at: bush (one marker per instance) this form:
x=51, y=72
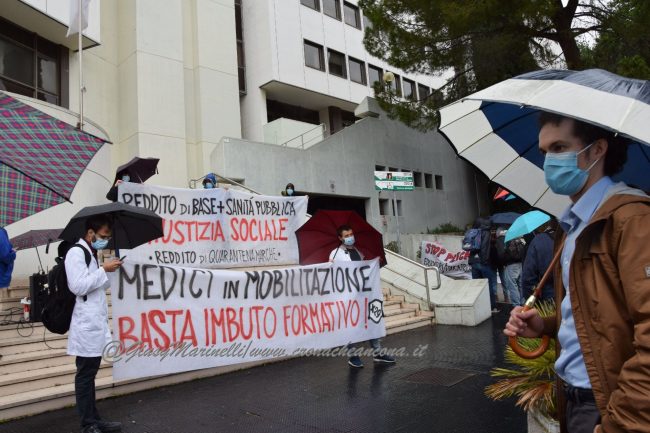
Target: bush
x=392, y=246
x=444, y=228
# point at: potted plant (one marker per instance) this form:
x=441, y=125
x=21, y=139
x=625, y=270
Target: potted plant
x=531, y=380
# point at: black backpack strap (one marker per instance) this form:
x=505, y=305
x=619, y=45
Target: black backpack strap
x=88, y=258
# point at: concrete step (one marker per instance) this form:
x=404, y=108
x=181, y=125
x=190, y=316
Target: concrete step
x=47, y=377
x=399, y=298
x=29, y=329
x=424, y=319
x=33, y=343
x=401, y=313
x=26, y=361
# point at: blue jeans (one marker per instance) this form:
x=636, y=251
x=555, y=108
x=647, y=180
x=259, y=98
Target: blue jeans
x=374, y=344
x=480, y=270
x=512, y=283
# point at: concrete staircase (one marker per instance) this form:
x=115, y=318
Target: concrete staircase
x=36, y=375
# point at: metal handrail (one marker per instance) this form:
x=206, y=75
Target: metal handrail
x=425, y=269
x=192, y=183
x=321, y=126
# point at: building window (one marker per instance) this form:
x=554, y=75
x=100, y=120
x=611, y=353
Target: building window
x=357, y=71
x=409, y=89
x=380, y=168
x=276, y=110
x=399, y=207
x=314, y=56
x=332, y=8
x=374, y=75
x=396, y=85
x=393, y=169
x=423, y=91
x=314, y=4
x=241, y=62
x=32, y=66
x=367, y=24
x=352, y=15
x=384, y=206
x=428, y=180
x=438, y=181
x=336, y=63
x=417, y=179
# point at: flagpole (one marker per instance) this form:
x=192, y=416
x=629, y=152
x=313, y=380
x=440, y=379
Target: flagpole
x=81, y=76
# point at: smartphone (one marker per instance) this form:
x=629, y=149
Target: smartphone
x=122, y=258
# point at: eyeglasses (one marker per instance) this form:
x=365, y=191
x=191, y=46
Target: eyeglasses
x=104, y=238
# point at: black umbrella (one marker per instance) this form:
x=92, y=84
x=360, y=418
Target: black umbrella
x=138, y=169
x=504, y=218
x=132, y=226
x=34, y=239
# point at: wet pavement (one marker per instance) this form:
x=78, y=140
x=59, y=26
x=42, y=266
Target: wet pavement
x=441, y=391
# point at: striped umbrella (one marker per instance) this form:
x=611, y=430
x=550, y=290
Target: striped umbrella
x=41, y=159
x=496, y=128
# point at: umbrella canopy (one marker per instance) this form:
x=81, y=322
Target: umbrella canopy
x=139, y=169
x=35, y=238
x=496, y=128
x=504, y=218
x=317, y=237
x=526, y=224
x=41, y=159
x=132, y=226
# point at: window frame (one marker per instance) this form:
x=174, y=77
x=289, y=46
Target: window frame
x=421, y=87
x=344, y=64
x=321, y=54
x=357, y=15
x=38, y=48
x=339, y=13
x=315, y=3
x=414, y=95
x=378, y=69
x=362, y=68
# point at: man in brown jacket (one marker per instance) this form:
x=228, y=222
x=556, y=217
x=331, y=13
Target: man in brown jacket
x=603, y=282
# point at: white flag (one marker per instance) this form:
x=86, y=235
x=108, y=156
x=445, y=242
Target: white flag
x=75, y=25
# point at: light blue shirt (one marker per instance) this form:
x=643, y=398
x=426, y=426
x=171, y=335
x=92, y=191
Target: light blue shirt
x=570, y=365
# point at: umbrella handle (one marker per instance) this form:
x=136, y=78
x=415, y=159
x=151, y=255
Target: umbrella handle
x=529, y=354
x=530, y=303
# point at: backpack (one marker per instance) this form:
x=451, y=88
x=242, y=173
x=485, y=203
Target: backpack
x=57, y=299
x=516, y=250
x=503, y=256
x=472, y=240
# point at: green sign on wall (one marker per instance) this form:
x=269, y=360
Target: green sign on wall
x=394, y=181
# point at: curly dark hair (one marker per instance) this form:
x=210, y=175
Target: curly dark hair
x=616, y=155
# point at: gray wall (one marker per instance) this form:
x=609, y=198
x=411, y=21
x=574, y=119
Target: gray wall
x=344, y=164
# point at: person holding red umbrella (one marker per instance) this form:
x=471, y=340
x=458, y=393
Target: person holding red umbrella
x=347, y=252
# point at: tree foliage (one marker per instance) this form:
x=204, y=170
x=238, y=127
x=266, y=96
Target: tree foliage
x=477, y=43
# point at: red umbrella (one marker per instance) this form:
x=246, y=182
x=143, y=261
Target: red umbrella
x=317, y=237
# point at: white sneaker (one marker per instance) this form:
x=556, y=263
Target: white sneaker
x=495, y=311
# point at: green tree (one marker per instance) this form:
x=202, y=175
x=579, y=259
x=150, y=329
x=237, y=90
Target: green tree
x=476, y=43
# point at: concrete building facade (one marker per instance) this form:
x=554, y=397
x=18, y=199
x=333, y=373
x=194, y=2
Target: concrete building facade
x=272, y=84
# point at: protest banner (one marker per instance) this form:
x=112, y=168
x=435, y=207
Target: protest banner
x=217, y=228
x=394, y=181
x=453, y=264
x=173, y=319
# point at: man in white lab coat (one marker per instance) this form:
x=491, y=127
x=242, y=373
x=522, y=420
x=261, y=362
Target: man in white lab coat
x=89, y=332
x=346, y=252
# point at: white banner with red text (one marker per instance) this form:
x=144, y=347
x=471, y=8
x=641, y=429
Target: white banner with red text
x=453, y=264
x=173, y=319
x=217, y=228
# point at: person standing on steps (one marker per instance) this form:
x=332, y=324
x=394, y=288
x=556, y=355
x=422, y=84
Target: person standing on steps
x=346, y=252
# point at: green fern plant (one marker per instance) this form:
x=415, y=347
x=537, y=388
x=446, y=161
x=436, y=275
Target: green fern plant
x=531, y=380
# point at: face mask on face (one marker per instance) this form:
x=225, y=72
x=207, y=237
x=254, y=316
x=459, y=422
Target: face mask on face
x=289, y=191
x=126, y=178
x=349, y=241
x=208, y=185
x=99, y=244
x=562, y=173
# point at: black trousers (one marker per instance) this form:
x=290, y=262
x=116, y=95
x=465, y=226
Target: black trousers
x=84, y=389
x=582, y=415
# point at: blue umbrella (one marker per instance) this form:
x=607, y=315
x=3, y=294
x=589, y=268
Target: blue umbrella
x=504, y=218
x=526, y=224
x=496, y=129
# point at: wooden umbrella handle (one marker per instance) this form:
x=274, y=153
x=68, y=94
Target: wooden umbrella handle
x=530, y=304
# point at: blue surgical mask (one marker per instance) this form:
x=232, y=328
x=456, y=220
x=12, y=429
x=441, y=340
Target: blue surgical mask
x=99, y=244
x=289, y=191
x=349, y=241
x=562, y=173
x=126, y=178
x=208, y=185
